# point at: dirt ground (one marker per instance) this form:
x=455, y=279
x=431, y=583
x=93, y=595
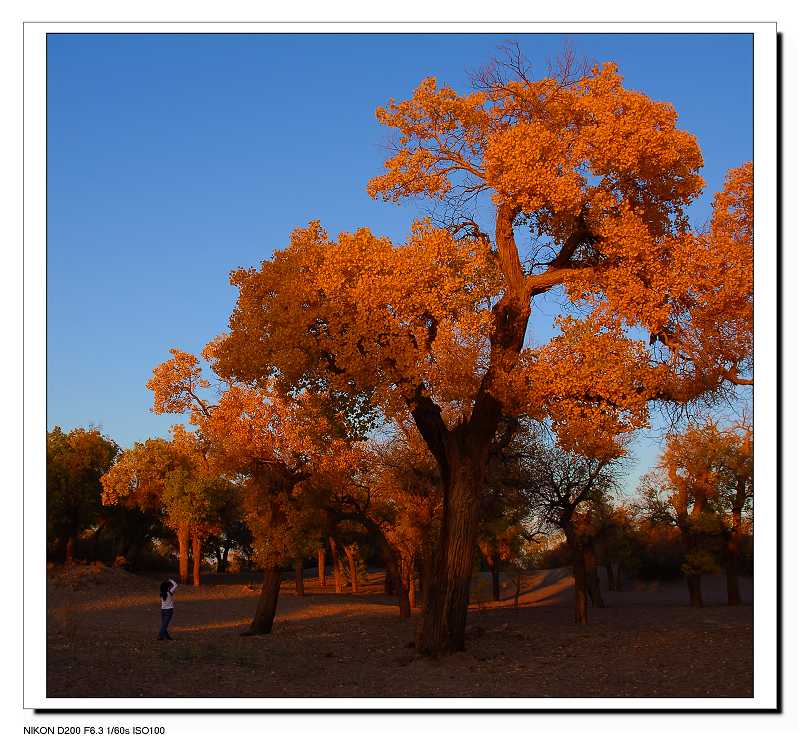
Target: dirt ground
x=102, y=626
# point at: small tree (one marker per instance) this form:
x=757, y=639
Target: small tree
x=564, y=489
x=75, y=464
x=702, y=484
x=164, y=477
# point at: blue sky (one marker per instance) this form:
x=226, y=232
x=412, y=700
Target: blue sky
x=174, y=159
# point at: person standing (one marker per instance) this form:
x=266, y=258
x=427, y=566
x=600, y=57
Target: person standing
x=167, y=607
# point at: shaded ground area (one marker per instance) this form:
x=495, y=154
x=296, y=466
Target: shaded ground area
x=102, y=625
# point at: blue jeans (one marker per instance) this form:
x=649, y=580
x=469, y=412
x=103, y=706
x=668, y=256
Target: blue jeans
x=166, y=616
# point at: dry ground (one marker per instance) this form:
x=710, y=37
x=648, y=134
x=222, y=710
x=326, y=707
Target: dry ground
x=102, y=625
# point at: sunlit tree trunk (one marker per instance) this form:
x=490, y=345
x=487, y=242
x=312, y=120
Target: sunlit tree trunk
x=183, y=553
x=197, y=557
x=299, y=584
x=267, y=603
x=337, y=567
x=351, y=551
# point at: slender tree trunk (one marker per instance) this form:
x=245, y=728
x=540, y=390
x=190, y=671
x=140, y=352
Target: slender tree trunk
x=350, y=551
x=183, y=553
x=403, y=599
x=197, y=558
x=337, y=567
x=581, y=585
x=732, y=568
x=388, y=584
x=412, y=591
x=70, y=550
x=611, y=575
x=694, y=584
x=733, y=548
x=267, y=603
x=592, y=579
x=225, y=552
x=447, y=603
x=495, y=567
x=321, y=566
x=299, y=584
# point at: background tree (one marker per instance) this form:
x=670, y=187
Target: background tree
x=274, y=442
x=76, y=462
x=152, y=476
x=563, y=489
x=701, y=486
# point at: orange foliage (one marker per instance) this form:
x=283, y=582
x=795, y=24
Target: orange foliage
x=601, y=173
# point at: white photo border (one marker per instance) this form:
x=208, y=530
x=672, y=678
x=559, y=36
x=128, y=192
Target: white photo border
x=767, y=636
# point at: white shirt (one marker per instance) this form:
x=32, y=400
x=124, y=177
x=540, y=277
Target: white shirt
x=169, y=603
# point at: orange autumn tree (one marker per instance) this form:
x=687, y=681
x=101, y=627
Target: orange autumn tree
x=274, y=443
x=435, y=327
x=703, y=485
x=151, y=476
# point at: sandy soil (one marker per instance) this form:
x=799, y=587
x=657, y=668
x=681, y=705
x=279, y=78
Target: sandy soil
x=102, y=626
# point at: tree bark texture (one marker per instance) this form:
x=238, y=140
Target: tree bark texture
x=445, y=617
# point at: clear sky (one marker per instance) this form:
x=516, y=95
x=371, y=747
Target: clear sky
x=173, y=159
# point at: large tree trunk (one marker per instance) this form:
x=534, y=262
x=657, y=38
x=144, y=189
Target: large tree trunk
x=350, y=551
x=462, y=453
x=299, y=584
x=183, y=553
x=267, y=603
x=321, y=566
x=447, y=602
x=337, y=567
x=197, y=558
